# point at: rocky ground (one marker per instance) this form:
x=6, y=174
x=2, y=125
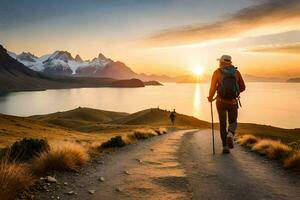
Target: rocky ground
x=177, y=165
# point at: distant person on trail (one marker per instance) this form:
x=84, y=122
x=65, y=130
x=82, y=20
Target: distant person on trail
x=172, y=117
x=227, y=81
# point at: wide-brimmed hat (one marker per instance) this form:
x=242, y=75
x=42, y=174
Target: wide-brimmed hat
x=225, y=59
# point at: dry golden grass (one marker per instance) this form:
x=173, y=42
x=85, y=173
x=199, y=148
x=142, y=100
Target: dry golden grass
x=272, y=149
x=139, y=134
x=247, y=140
x=16, y=128
x=62, y=157
x=14, y=179
x=142, y=134
x=161, y=131
x=293, y=161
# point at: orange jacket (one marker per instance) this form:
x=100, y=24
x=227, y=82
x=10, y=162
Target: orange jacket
x=216, y=82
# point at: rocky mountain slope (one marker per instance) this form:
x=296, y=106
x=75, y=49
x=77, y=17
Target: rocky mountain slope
x=63, y=63
x=15, y=76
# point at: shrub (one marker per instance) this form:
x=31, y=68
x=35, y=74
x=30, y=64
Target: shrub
x=142, y=134
x=295, y=145
x=293, y=161
x=63, y=157
x=160, y=131
x=247, y=140
x=116, y=141
x=14, y=179
x=26, y=149
x=3, y=153
x=272, y=149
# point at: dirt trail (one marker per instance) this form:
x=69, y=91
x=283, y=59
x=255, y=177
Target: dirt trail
x=147, y=170
x=177, y=165
x=239, y=175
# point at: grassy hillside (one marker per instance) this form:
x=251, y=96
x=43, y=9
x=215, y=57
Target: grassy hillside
x=79, y=117
x=91, y=120
x=91, y=125
x=88, y=125
x=285, y=135
x=160, y=117
x=14, y=128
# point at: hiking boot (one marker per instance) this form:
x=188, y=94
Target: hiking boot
x=226, y=150
x=230, y=140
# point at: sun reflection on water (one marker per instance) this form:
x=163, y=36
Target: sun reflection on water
x=197, y=106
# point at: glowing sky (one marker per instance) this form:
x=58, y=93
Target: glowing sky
x=161, y=36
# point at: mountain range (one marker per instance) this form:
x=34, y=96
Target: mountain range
x=15, y=76
x=63, y=63
x=294, y=80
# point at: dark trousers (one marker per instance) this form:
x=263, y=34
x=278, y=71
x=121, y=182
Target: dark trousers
x=231, y=110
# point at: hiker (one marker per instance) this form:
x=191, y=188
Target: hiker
x=172, y=117
x=228, y=83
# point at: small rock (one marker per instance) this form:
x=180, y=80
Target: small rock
x=51, y=179
x=126, y=172
x=151, y=149
x=102, y=179
x=139, y=160
x=91, y=191
x=118, y=189
x=65, y=183
x=57, y=197
x=70, y=192
x=100, y=162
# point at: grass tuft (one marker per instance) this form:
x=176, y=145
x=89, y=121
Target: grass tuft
x=161, y=131
x=293, y=161
x=247, y=140
x=14, y=179
x=116, y=141
x=142, y=134
x=62, y=157
x=272, y=149
x=295, y=145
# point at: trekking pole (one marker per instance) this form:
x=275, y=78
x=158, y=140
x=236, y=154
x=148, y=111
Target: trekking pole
x=212, y=128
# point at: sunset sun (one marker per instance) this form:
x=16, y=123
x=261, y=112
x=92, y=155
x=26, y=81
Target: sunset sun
x=198, y=70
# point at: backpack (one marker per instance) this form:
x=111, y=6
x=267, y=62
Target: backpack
x=229, y=87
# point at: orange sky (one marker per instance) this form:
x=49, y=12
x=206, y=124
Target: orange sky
x=161, y=38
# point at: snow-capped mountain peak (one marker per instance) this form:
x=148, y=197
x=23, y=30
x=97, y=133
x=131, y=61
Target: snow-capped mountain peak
x=27, y=56
x=60, y=55
x=101, y=56
x=93, y=67
x=78, y=58
x=62, y=63
x=12, y=54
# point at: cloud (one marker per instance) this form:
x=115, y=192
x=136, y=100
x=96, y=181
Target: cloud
x=244, y=20
x=282, y=48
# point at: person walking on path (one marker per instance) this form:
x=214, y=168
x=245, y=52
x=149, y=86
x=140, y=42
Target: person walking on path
x=228, y=82
x=172, y=117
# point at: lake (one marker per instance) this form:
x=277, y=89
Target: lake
x=276, y=104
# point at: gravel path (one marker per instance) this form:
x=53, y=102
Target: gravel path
x=177, y=165
x=239, y=175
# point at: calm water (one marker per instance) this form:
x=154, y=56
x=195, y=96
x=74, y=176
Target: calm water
x=276, y=104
